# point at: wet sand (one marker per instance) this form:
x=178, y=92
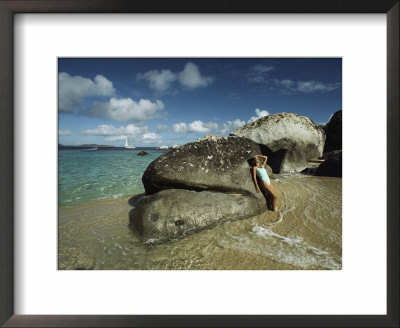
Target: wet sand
x=306, y=233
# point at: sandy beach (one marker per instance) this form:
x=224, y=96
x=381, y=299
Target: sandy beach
x=304, y=234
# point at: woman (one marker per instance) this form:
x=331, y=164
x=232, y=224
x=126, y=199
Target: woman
x=265, y=183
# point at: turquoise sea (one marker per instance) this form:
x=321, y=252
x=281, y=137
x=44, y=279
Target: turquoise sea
x=100, y=174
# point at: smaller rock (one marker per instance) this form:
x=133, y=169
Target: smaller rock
x=333, y=130
x=310, y=170
x=334, y=152
x=142, y=153
x=332, y=167
x=312, y=166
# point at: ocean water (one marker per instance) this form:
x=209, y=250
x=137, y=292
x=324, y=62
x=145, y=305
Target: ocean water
x=85, y=175
x=94, y=232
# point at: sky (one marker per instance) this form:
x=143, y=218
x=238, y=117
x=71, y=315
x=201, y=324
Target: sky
x=172, y=101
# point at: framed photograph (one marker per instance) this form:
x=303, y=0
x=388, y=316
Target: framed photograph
x=95, y=107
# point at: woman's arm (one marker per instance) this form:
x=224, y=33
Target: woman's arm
x=255, y=179
x=265, y=159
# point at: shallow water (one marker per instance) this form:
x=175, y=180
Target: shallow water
x=86, y=175
x=306, y=233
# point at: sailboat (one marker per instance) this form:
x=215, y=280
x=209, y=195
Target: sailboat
x=129, y=146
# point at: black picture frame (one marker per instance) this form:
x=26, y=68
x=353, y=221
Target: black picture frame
x=10, y=7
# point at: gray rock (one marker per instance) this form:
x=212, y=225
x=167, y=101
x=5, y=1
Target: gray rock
x=333, y=130
x=290, y=140
x=175, y=213
x=312, y=167
x=198, y=185
x=214, y=164
x=142, y=153
x=332, y=167
x=310, y=170
x=333, y=152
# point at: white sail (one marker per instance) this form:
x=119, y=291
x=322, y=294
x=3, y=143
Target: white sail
x=129, y=146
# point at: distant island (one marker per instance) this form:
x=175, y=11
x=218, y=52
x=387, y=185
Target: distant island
x=85, y=146
x=96, y=146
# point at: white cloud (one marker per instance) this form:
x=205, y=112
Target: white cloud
x=179, y=128
x=162, y=80
x=191, y=78
x=126, y=109
x=72, y=90
x=195, y=126
x=287, y=83
x=207, y=127
x=229, y=126
x=198, y=126
x=315, y=86
x=305, y=86
x=237, y=123
x=151, y=138
x=259, y=113
x=255, y=78
x=158, y=80
x=110, y=130
x=261, y=68
x=64, y=132
x=258, y=73
x=211, y=125
x=141, y=134
x=116, y=138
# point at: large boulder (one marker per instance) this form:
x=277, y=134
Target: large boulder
x=215, y=164
x=332, y=167
x=333, y=131
x=198, y=185
x=174, y=213
x=290, y=140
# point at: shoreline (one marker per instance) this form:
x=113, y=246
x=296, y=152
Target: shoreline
x=95, y=234
x=275, y=177
x=113, y=197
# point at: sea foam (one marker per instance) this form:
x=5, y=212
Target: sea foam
x=285, y=249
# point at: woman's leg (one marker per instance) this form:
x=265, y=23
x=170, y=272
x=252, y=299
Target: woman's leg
x=271, y=193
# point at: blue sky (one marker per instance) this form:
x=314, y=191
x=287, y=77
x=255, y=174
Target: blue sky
x=167, y=101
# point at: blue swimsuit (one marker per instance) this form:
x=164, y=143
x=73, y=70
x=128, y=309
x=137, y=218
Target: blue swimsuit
x=263, y=175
